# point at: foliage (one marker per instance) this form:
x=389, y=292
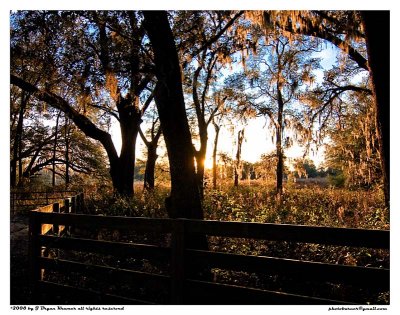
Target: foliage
x=91, y=65
x=254, y=201
x=301, y=205
x=143, y=204
x=305, y=167
x=266, y=166
x=48, y=142
x=337, y=180
x=354, y=149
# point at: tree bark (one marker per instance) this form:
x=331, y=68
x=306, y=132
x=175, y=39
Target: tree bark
x=18, y=140
x=123, y=168
x=238, y=157
x=151, y=157
x=217, y=128
x=150, y=167
x=377, y=33
x=279, y=150
x=199, y=105
x=184, y=200
x=130, y=120
x=200, y=156
x=53, y=181
x=67, y=144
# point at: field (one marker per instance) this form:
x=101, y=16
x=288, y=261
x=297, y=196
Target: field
x=302, y=204
x=254, y=201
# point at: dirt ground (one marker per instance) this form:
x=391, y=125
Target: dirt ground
x=20, y=293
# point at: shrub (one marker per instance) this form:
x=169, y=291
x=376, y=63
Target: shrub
x=337, y=180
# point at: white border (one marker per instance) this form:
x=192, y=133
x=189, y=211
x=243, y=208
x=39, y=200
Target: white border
x=5, y=8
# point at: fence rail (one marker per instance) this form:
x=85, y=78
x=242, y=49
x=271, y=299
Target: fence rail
x=23, y=201
x=183, y=261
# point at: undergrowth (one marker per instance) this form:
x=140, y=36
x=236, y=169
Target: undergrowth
x=335, y=207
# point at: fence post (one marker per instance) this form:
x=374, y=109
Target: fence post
x=73, y=204
x=35, y=274
x=12, y=203
x=74, y=200
x=177, y=261
x=56, y=209
x=66, y=206
x=80, y=203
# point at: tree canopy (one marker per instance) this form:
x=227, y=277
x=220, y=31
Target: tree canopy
x=87, y=71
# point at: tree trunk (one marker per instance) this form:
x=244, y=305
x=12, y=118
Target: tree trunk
x=279, y=150
x=377, y=34
x=184, y=200
x=217, y=128
x=200, y=162
x=199, y=107
x=53, y=181
x=121, y=168
x=151, y=156
x=238, y=157
x=18, y=139
x=67, y=139
x=124, y=166
x=150, y=167
x=236, y=179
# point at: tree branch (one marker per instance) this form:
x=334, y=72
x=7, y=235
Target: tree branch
x=146, y=142
x=148, y=101
x=81, y=121
x=214, y=38
x=315, y=31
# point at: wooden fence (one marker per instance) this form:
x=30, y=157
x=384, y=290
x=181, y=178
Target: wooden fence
x=179, y=283
x=23, y=201
x=71, y=204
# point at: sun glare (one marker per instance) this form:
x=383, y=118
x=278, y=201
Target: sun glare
x=208, y=163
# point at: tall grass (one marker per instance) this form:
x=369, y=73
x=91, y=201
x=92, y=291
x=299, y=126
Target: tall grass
x=254, y=201
x=313, y=205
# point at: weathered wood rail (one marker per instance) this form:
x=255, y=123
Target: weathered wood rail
x=71, y=204
x=23, y=201
x=179, y=284
x=68, y=205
